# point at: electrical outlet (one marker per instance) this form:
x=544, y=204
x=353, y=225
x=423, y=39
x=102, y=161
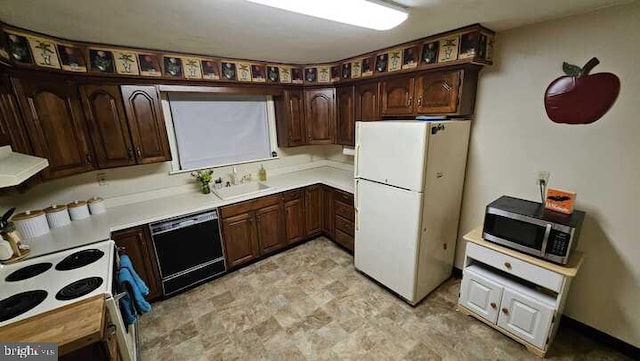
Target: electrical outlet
x=102, y=179
x=543, y=177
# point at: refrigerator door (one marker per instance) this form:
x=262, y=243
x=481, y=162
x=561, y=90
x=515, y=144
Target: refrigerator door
x=387, y=234
x=392, y=152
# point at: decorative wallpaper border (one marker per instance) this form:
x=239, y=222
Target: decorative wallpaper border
x=23, y=48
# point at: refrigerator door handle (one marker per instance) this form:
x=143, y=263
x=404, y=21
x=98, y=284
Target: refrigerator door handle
x=356, y=207
x=355, y=166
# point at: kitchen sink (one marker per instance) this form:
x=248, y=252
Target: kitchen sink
x=241, y=190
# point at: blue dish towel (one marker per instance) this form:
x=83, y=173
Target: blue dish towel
x=125, y=262
x=133, y=303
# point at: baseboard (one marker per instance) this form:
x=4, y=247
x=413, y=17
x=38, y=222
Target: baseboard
x=605, y=339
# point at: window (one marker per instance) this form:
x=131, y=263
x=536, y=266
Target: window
x=211, y=130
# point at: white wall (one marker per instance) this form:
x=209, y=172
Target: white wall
x=512, y=139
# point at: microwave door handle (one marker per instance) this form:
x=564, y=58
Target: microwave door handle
x=545, y=240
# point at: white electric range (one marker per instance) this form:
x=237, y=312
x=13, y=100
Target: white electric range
x=37, y=285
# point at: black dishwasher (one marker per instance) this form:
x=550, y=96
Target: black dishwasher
x=188, y=249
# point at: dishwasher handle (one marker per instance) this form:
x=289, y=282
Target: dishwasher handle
x=183, y=222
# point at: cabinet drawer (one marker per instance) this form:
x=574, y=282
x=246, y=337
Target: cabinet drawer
x=343, y=210
x=516, y=267
x=293, y=194
x=344, y=239
x=344, y=197
x=345, y=225
x=480, y=295
x=250, y=205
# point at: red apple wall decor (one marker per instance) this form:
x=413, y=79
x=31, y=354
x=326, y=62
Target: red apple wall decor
x=580, y=97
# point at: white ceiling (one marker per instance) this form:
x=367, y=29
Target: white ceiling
x=240, y=29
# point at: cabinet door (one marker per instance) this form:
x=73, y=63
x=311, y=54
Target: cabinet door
x=148, y=130
x=313, y=205
x=107, y=125
x=56, y=126
x=438, y=93
x=320, y=119
x=525, y=317
x=294, y=220
x=240, y=243
x=137, y=245
x=328, y=225
x=346, y=115
x=11, y=126
x=294, y=103
x=367, y=102
x=397, y=96
x=269, y=226
x=481, y=296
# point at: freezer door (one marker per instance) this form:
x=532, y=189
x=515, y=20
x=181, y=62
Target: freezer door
x=392, y=152
x=387, y=233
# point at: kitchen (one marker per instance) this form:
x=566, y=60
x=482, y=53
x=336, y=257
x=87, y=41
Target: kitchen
x=292, y=287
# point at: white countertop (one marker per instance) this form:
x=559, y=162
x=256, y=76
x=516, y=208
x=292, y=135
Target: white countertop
x=99, y=227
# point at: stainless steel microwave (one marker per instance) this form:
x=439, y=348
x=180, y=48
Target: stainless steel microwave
x=528, y=227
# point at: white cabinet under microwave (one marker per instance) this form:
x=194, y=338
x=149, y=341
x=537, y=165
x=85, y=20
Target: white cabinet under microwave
x=517, y=294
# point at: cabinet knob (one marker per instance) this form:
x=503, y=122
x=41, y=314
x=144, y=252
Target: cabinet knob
x=139, y=153
x=507, y=265
x=111, y=330
x=409, y=101
x=420, y=101
x=130, y=153
x=505, y=311
x=493, y=305
x=88, y=158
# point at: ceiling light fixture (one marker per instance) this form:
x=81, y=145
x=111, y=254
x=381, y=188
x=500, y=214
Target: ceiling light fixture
x=370, y=14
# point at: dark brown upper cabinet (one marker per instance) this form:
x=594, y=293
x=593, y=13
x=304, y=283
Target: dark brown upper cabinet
x=367, y=103
x=346, y=115
x=290, y=118
x=55, y=125
x=146, y=123
x=11, y=128
x=437, y=93
x=445, y=92
x=107, y=125
x=397, y=96
x=320, y=117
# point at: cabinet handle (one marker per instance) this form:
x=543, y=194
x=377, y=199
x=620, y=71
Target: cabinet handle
x=505, y=311
x=130, y=153
x=88, y=158
x=507, y=265
x=420, y=101
x=409, y=100
x=139, y=153
x=493, y=305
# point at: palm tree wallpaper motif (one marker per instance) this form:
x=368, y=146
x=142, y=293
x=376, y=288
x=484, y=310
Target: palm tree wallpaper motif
x=395, y=60
x=192, y=67
x=46, y=52
x=324, y=74
x=449, y=46
x=356, y=69
x=127, y=62
x=244, y=72
x=285, y=74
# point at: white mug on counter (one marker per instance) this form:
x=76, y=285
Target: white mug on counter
x=57, y=215
x=78, y=210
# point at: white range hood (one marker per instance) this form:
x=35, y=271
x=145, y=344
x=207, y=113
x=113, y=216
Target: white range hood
x=15, y=168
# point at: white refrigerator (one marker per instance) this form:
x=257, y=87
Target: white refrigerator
x=409, y=177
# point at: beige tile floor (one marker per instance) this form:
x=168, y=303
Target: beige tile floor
x=309, y=303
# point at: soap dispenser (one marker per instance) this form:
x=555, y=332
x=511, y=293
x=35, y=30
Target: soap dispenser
x=262, y=174
x=234, y=176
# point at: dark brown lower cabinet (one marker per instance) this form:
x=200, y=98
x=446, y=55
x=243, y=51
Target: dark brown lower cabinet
x=294, y=215
x=269, y=228
x=239, y=238
x=313, y=209
x=344, y=218
x=137, y=245
x=327, y=211
x=253, y=228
